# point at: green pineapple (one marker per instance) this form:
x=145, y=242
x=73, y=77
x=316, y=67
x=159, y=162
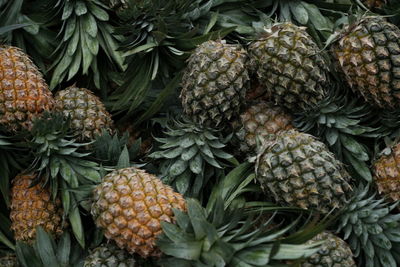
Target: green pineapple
x=290, y=66
x=109, y=255
x=296, y=169
x=214, y=83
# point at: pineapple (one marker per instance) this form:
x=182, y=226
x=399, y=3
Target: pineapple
x=261, y=121
x=130, y=204
x=333, y=252
x=108, y=255
x=32, y=206
x=289, y=65
x=88, y=114
x=298, y=170
x=368, y=54
x=215, y=83
x=9, y=260
x=387, y=173
x=23, y=92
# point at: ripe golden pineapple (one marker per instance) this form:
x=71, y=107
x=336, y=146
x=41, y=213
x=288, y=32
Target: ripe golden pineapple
x=261, y=121
x=289, y=65
x=129, y=205
x=88, y=114
x=368, y=54
x=387, y=173
x=23, y=92
x=32, y=207
x=298, y=170
x=215, y=83
x=333, y=252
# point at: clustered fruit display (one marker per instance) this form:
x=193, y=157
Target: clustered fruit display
x=199, y=133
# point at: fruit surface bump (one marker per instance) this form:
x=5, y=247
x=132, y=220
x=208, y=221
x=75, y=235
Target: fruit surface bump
x=215, y=82
x=368, y=54
x=130, y=204
x=88, y=114
x=298, y=170
x=289, y=65
x=32, y=207
x=109, y=255
x=24, y=93
x=333, y=252
x=261, y=121
x=387, y=173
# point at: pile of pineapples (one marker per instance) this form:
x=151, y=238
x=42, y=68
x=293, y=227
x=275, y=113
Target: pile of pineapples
x=199, y=133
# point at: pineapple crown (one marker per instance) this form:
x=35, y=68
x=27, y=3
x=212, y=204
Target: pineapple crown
x=190, y=155
x=223, y=233
x=371, y=227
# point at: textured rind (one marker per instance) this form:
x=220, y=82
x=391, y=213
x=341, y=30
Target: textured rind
x=108, y=255
x=130, y=204
x=32, y=207
x=368, y=54
x=215, y=82
x=334, y=252
x=298, y=170
x=24, y=93
x=262, y=121
x=387, y=174
x=88, y=114
x=9, y=260
x=289, y=65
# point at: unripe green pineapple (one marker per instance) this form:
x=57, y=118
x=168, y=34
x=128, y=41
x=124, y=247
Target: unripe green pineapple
x=333, y=252
x=215, y=83
x=368, y=54
x=290, y=66
x=9, y=260
x=109, y=255
x=88, y=114
x=298, y=170
x=261, y=121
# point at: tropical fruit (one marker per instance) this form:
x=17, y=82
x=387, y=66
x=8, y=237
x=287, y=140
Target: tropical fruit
x=23, y=92
x=368, y=54
x=290, y=66
x=88, y=114
x=32, y=206
x=215, y=82
x=130, y=204
x=333, y=252
x=387, y=173
x=9, y=260
x=261, y=121
x=298, y=170
x=109, y=255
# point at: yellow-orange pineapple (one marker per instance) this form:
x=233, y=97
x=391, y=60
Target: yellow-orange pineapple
x=375, y=3
x=23, y=92
x=387, y=173
x=130, y=204
x=32, y=207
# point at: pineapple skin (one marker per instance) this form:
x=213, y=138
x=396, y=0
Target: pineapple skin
x=368, y=54
x=32, y=207
x=88, y=114
x=298, y=170
x=109, y=255
x=334, y=252
x=262, y=121
x=9, y=260
x=24, y=93
x=214, y=83
x=387, y=174
x=289, y=66
x=130, y=204
x=374, y=3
